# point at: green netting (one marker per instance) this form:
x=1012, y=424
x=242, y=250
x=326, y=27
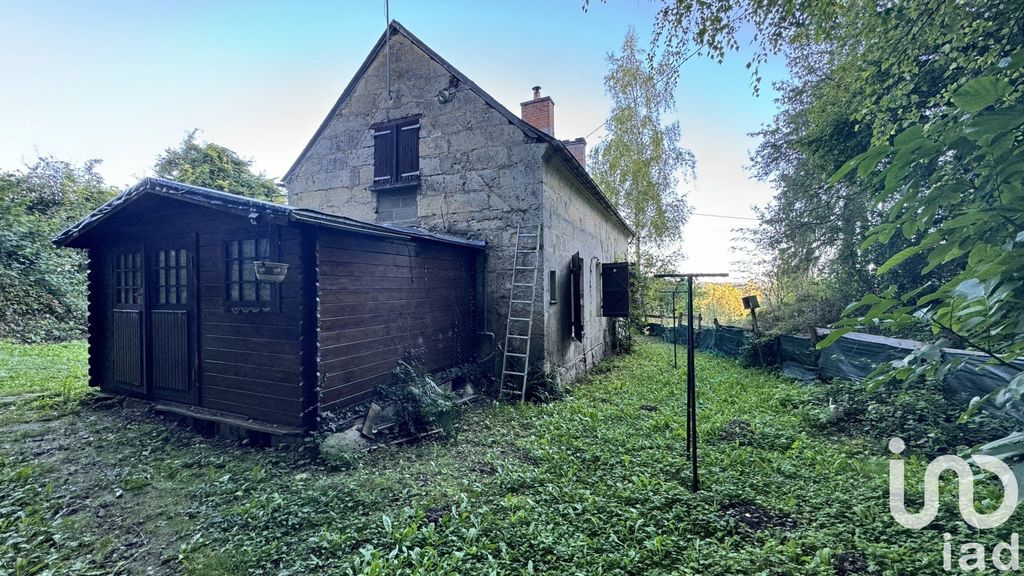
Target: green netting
x=724, y=340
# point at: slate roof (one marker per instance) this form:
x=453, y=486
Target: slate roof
x=570, y=161
x=244, y=206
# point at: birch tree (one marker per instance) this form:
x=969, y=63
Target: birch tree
x=641, y=162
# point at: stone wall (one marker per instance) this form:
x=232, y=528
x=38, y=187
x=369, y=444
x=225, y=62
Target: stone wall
x=480, y=175
x=574, y=222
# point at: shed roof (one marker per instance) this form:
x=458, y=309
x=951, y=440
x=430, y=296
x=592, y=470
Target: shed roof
x=218, y=200
x=559, y=148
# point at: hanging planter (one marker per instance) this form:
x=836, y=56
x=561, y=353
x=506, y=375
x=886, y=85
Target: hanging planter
x=271, y=272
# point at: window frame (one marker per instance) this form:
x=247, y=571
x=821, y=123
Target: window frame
x=393, y=130
x=128, y=279
x=171, y=281
x=273, y=303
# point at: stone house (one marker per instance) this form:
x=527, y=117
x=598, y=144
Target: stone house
x=413, y=142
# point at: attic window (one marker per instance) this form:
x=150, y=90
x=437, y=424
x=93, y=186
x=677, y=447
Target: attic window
x=396, y=153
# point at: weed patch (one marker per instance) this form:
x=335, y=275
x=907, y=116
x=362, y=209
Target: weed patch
x=594, y=483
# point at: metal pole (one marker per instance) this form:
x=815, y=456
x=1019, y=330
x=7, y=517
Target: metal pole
x=691, y=377
x=691, y=387
x=675, y=334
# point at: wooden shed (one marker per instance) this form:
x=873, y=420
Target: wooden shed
x=178, y=316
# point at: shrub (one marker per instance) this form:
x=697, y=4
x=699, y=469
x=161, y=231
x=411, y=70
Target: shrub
x=42, y=287
x=925, y=414
x=420, y=404
x=545, y=387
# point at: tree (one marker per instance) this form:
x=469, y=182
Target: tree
x=724, y=301
x=640, y=162
x=42, y=287
x=214, y=166
x=938, y=86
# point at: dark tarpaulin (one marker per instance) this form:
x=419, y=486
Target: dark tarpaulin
x=856, y=355
x=798, y=357
x=725, y=340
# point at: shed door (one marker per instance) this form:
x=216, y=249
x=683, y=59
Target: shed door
x=125, y=368
x=171, y=305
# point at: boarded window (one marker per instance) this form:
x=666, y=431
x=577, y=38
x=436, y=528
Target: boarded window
x=576, y=296
x=396, y=153
x=172, y=276
x=242, y=285
x=615, y=290
x=128, y=278
x=398, y=206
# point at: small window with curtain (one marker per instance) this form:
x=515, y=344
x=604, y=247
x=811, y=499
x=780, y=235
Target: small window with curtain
x=244, y=290
x=396, y=153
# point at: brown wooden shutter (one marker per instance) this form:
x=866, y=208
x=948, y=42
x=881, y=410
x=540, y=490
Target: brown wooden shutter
x=409, y=151
x=576, y=295
x=384, y=155
x=615, y=290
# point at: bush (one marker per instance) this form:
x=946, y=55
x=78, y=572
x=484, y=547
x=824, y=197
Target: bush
x=42, y=287
x=758, y=352
x=420, y=404
x=925, y=414
x=545, y=387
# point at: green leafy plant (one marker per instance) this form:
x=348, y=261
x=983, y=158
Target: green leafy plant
x=924, y=413
x=420, y=404
x=956, y=187
x=42, y=287
x=594, y=484
x=546, y=387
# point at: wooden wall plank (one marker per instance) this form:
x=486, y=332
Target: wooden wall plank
x=379, y=299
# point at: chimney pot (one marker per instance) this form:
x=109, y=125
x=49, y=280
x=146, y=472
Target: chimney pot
x=536, y=92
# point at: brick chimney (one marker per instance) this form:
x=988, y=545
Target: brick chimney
x=540, y=112
x=578, y=148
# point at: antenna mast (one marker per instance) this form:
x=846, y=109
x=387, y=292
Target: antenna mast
x=387, y=41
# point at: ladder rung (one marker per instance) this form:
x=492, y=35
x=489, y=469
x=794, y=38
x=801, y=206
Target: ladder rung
x=522, y=301
x=515, y=373
x=518, y=336
x=519, y=319
x=521, y=284
x=525, y=267
x=529, y=235
x=515, y=354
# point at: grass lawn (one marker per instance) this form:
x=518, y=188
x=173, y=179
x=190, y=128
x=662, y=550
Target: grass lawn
x=595, y=484
x=48, y=368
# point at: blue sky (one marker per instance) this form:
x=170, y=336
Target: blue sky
x=122, y=80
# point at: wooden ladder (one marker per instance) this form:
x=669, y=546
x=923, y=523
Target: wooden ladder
x=515, y=363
